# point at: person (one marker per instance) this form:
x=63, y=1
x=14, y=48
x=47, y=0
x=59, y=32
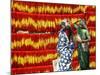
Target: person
x=65, y=46
x=83, y=39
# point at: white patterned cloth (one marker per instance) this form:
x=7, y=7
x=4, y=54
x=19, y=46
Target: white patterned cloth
x=65, y=50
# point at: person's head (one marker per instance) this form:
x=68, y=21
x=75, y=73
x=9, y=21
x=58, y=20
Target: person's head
x=65, y=24
x=82, y=24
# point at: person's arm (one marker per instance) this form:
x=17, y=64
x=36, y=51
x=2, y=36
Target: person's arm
x=83, y=41
x=78, y=38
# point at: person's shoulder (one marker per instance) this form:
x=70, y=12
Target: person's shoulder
x=61, y=32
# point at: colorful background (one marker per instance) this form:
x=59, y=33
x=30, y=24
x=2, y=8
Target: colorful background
x=34, y=52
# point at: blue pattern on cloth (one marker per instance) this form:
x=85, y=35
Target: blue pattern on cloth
x=65, y=50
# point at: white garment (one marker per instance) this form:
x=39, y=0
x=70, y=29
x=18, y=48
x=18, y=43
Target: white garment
x=56, y=64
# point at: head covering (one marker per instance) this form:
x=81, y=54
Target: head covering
x=83, y=23
x=65, y=22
